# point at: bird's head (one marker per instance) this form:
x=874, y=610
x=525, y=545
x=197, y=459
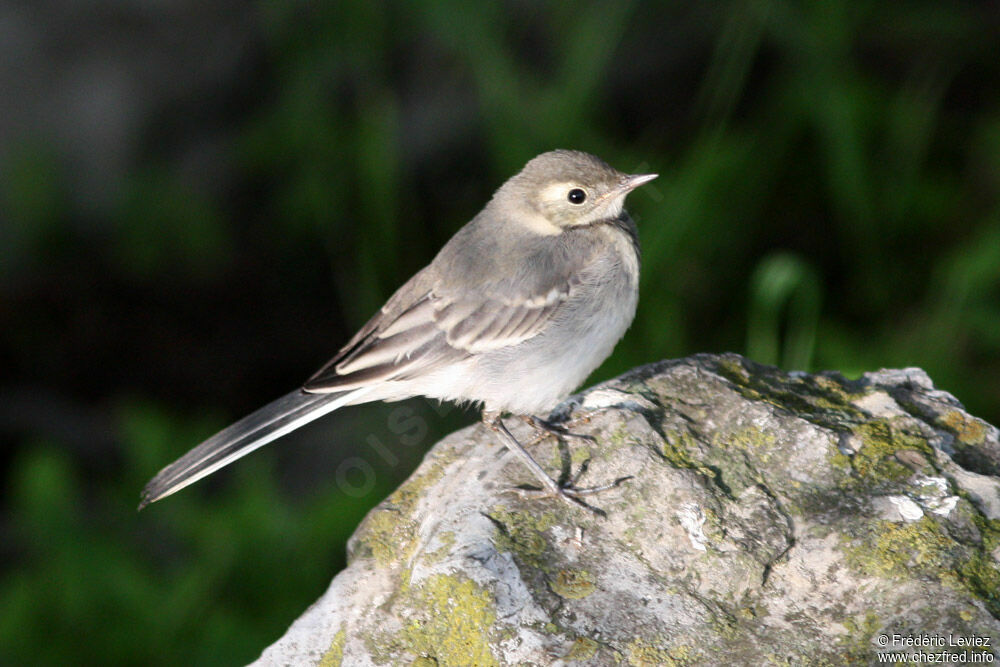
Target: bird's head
x=562, y=189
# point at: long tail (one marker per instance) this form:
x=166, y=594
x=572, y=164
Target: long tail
x=253, y=431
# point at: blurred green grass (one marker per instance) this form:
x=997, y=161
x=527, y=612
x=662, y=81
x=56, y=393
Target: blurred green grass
x=99, y=585
x=828, y=199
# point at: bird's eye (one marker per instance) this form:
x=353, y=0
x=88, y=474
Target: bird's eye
x=577, y=196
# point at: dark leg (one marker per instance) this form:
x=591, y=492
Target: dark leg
x=546, y=428
x=570, y=493
x=492, y=419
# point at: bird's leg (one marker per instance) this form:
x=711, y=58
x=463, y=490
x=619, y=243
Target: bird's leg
x=545, y=428
x=570, y=493
x=493, y=420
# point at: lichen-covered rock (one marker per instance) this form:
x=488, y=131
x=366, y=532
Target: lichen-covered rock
x=770, y=518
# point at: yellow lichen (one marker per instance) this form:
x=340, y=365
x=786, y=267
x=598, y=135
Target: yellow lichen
x=980, y=575
x=334, y=655
x=856, y=643
x=760, y=443
x=582, y=649
x=882, y=442
x=573, y=584
x=388, y=532
x=925, y=548
x=388, y=536
x=677, y=449
x=642, y=654
x=732, y=369
x=900, y=549
x=968, y=430
x=447, y=539
x=522, y=533
x=453, y=622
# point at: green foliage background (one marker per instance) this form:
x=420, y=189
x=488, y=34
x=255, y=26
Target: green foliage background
x=828, y=199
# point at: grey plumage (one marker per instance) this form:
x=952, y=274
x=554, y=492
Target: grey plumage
x=513, y=313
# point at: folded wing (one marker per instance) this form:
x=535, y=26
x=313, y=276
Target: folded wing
x=436, y=328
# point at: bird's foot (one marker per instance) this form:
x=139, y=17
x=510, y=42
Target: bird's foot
x=567, y=491
x=570, y=492
x=545, y=428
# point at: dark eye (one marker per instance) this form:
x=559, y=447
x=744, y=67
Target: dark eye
x=577, y=196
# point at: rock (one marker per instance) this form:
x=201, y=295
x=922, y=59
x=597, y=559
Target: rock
x=769, y=518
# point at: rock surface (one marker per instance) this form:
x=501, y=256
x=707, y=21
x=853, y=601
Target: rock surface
x=770, y=518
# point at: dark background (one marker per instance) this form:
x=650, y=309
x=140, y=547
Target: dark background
x=201, y=201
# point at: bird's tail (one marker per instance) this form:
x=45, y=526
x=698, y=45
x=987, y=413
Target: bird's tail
x=253, y=431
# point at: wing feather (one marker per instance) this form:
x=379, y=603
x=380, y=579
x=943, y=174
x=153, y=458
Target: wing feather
x=493, y=324
x=415, y=331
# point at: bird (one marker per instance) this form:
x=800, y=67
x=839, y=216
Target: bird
x=512, y=314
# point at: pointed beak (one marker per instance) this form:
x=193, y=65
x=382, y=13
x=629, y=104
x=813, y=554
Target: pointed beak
x=630, y=183
x=626, y=185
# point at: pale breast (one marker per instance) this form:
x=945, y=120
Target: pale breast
x=534, y=376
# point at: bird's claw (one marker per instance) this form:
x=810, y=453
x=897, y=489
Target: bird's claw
x=546, y=428
x=570, y=492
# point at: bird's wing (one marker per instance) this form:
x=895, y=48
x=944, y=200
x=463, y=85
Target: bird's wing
x=419, y=328
x=479, y=325
x=438, y=327
x=484, y=291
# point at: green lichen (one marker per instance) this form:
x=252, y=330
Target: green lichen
x=903, y=549
x=383, y=646
x=734, y=473
x=447, y=540
x=406, y=496
x=573, y=584
x=616, y=439
x=752, y=611
x=643, y=654
x=732, y=368
x=924, y=548
x=968, y=430
x=855, y=644
x=981, y=577
x=583, y=648
x=752, y=440
x=454, y=618
x=387, y=533
x=713, y=528
x=989, y=530
x=678, y=451
x=522, y=533
x=838, y=459
x=883, y=445
x=578, y=455
x=388, y=537
x=824, y=399
x=334, y=655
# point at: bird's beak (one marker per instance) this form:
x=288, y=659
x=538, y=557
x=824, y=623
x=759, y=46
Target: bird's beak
x=626, y=185
x=630, y=183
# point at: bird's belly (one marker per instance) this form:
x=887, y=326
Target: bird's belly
x=532, y=377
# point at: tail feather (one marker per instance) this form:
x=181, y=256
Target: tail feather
x=252, y=432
